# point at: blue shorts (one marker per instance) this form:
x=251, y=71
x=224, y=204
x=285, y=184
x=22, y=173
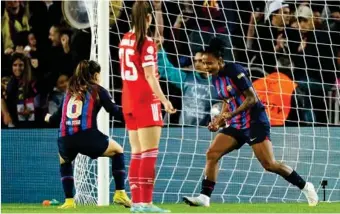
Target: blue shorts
x=257, y=133
x=90, y=142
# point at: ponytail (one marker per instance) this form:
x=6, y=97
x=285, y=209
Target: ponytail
x=140, y=11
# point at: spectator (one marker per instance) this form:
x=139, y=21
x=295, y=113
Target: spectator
x=19, y=101
x=31, y=46
x=314, y=66
x=54, y=35
x=332, y=23
x=14, y=20
x=45, y=14
x=271, y=35
x=20, y=42
x=304, y=45
x=35, y=56
x=60, y=59
x=56, y=97
x=211, y=17
x=198, y=94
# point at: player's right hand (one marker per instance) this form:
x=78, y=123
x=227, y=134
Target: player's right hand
x=213, y=127
x=47, y=118
x=168, y=107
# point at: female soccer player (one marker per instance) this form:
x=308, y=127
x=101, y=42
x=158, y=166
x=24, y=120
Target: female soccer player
x=248, y=123
x=79, y=133
x=142, y=98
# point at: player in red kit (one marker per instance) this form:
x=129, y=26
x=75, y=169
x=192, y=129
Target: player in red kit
x=142, y=99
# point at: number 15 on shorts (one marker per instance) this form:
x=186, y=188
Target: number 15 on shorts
x=156, y=114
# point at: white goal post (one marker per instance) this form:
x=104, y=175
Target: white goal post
x=98, y=192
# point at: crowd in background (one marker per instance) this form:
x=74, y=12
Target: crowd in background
x=39, y=53
x=299, y=39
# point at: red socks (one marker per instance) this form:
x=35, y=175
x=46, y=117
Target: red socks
x=147, y=174
x=134, y=177
x=142, y=175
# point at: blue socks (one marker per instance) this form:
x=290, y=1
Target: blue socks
x=118, y=170
x=207, y=187
x=296, y=180
x=67, y=179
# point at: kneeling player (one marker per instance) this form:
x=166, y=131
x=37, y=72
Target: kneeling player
x=79, y=132
x=248, y=123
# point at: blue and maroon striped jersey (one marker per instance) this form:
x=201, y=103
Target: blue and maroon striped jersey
x=230, y=84
x=78, y=114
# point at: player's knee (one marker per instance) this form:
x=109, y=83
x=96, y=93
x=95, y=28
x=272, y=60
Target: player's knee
x=119, y=149
x=213, y=155
x=113, y=148
x=270, y=166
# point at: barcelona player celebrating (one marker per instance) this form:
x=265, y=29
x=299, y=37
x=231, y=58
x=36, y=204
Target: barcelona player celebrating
x=79, y=133
x=141, y=100
x=247, y=123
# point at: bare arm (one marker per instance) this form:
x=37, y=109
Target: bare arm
x=150, y=77
x=250, y=33
x=250, y=100
x=254, y=17
x=4, y=108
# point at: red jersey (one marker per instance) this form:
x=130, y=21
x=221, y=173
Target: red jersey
x=136, y=90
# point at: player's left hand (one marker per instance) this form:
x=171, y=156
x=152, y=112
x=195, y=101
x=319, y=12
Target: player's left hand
x=227, y=115
x=168, y=107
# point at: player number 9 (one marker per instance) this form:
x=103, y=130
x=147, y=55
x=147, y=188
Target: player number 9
x=131, y=74
x=74, y=108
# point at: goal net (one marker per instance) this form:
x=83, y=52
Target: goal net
x=291, y=51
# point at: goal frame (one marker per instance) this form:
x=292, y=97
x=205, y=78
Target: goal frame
x=103, y=27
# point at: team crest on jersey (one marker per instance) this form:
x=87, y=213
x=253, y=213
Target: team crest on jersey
x=240, y=75
x=150, y=50
x=229, y=88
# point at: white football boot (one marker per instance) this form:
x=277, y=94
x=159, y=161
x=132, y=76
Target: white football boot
x=310, y=193
x=200, y=201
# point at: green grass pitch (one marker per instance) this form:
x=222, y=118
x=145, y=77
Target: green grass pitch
x=182, y=208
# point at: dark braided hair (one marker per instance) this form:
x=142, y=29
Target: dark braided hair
x=215, y=48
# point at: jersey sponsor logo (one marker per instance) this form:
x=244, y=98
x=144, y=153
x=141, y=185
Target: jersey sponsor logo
x=73, y=123
x=240, y=75
x=148, y=58
x=229, y=88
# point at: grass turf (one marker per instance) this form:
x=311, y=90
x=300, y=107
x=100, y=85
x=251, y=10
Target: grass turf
x=182, y=208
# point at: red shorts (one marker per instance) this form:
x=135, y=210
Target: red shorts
x=144, y=116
